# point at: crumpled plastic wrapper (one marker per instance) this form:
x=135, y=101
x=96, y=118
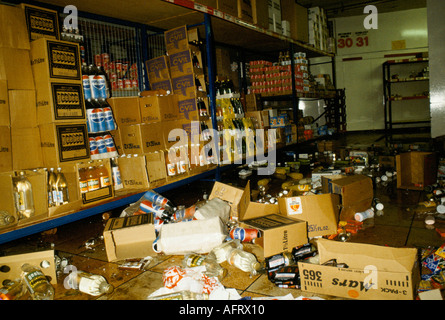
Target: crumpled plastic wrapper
x=178, y=279
x=214, y=208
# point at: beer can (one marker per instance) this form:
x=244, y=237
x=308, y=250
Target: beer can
x=245, y=234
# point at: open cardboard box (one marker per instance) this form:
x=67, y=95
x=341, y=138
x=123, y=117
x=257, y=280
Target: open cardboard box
x=356, y=193
x=40, y=199
x=416, y=169
x=129, y=237
x=279, y=233
x=319, y=210
x=373, y=273
x=133, y=173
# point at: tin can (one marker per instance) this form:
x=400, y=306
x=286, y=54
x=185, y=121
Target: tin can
x=245, y=234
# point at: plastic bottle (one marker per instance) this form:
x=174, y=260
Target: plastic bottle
x=116, y=174
x=360, y=216
x=104, y=176
x=243, y=260
x=213, y=269
x=181, y=295
x=92, y=178
x=378, y=205
x=83, y=180
x=92, y=284
x=157, y=199
x=37, y=283
x=221, y=252
x=6, y=218
x=23, y=196
x=12, y=290
x=62, y=188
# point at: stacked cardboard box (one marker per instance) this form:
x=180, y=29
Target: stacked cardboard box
x=318, y=28
x=274, y=9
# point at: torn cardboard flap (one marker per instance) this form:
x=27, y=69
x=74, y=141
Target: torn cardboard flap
x=320, y=211
x=358, y=255
x=236, y=197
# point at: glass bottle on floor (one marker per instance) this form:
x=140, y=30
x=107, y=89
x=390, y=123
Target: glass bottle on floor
x=92, y=284
x=37, y=283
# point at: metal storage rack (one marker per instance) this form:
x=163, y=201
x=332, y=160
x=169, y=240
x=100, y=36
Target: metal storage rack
x=392, y=100
x=142, y=18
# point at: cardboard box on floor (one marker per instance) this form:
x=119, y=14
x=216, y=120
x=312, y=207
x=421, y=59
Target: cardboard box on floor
x=416, y=169
x=129, y=237
x=356, y=193
x=279, y=233
x=373, y=273
x=320, y=211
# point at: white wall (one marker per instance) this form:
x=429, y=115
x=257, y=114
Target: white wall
x=436, y=28
x=363, y=79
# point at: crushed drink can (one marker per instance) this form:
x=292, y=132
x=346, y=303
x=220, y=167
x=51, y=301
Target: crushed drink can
x=156, y=199
x=245, y=234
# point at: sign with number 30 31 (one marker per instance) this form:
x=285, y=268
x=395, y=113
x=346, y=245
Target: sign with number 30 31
x=352, y=41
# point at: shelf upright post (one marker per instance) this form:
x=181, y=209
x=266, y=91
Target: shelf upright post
x=211, y=67
x=295, y=99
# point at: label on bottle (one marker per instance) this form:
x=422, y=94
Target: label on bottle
x=21, y=205
x=194, y=260
x=171, y=169
x=93, y=184
x=34, y=279
x=104, y=181
x=86, y=87
x=117, y=178
x=83, y=186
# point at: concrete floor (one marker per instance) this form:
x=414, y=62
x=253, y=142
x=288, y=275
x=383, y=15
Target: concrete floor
x=401, y=225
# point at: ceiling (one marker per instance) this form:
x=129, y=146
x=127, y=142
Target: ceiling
x=344, y=8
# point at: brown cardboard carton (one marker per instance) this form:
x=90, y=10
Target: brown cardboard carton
x=134, y=173
x=26, y=142
x=279, y=233
x=176, y=39
x=129, y=237
x=228, y=6
x=40, y=199
x=39, y=258
x=245, y=10
x=54, y=60
x=415, y=170
x=5, y=149
x=356, y=193
x=320, y=211
x=4, y=104
x=158, y=69
x=373, y=273
x=21, y=103
x=165, y=85
x=74, y=198
x=298, y=19
x=102, y=194
x=13, y=28
x=15, y=67
x=60, y=102
x=188, y=106
x=155, y=107
x=155, y=164
x=126, y=110
x=142, y=138
x=175, y=134
x=41, y=22
x=260, y=13
x=116, y=134
x=64, y=143
x=181, y=64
